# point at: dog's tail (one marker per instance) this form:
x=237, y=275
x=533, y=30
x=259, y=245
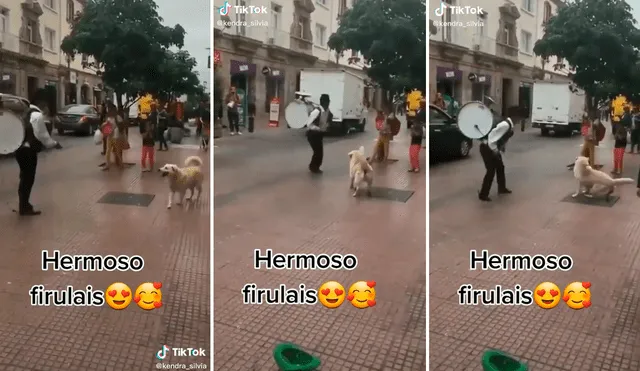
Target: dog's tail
x=623, y=181
x=193, y=161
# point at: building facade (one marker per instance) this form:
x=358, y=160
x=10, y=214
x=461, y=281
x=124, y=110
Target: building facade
x=30, y=57
x=490, y=53
x=262, y=54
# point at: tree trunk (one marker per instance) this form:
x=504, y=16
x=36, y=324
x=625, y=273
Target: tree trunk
x=592, y=107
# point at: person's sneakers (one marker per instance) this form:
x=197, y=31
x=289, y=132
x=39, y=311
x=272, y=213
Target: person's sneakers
x=505, y=191
x=29, y=212
x=232, y=133
x=239, y=133
x=315, y=171
x=484, y=198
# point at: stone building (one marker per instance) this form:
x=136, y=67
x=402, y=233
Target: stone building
x=474, y=55
x=264, y=55
x=30, y=58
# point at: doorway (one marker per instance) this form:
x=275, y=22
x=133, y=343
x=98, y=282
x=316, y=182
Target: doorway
x=32, y=87
x=525, y=97
x=507, y=90
x=84, y=94
x=70, y=94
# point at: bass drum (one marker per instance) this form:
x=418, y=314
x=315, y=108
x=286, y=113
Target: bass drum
x=475, y=120
x=297, y=113
x=11, y=132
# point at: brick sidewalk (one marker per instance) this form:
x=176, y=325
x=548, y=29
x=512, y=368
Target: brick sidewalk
x=265, y=198
x=174, y=244
x=602, y=241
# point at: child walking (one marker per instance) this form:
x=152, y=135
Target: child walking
x=417, y=131
x=148, y=147
x=619, y=148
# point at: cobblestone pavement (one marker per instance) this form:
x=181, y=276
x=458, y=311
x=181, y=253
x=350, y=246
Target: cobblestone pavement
x=174, y=243
x=266, y=198
x=603, y=242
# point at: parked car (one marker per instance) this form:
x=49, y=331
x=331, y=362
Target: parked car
x=445, y=138
x=78, y=118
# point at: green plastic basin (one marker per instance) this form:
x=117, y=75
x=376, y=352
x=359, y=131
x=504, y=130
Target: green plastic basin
x=290, y=357
x=495, y=360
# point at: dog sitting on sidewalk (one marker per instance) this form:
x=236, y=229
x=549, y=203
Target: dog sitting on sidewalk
x=589, y=177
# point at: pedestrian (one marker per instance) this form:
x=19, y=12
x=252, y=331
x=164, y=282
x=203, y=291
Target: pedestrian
x=417, y=132
x=618, y=149
x=635, y=133
x=113, y=131
x=233, y=101
x=491, y=149
x=148, y=145
x=251, y=111
x=317, y=124
x=380, y=151
x=161, y=128
x=36, y=137
x=439, y=101
x=205, y=119
x=103, y=118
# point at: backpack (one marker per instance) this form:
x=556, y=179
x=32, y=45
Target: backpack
x=29, y=135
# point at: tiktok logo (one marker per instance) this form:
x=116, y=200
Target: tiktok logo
x=162, y=353
x=438, y=11
x=224, y=10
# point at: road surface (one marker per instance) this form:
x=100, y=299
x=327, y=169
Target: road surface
x=174, y=244
x=265, y=198
x=603, y=242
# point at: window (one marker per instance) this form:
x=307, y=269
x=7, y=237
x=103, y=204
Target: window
x=529, y=5
x=70, y=11
x=303, y=23
x=354, y=54
x=437, y=117
x=4, y=20
x=50, y=39
x=526, y=42
x=51, y=4
x=85, y=59
x=481, y=21
x=321, y=35
x=32, y=28
x=547, y=12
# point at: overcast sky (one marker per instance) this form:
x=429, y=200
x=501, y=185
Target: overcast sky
x=193, y=15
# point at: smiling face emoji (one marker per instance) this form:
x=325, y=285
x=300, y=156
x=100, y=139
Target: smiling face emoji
x=577, y=295
x=547, y=295
x=331, y=294
x=362, y=294
x=149, y=296
x=118, y=295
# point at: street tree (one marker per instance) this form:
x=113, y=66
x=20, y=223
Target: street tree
x=391, y=36
x=127, y=44
x=173, y=76
x=599, y=41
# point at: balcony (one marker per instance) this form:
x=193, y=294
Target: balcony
x=301, y=45
x=9, y=42
x=506, y=51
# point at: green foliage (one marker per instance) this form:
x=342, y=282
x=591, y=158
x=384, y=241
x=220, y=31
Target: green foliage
x=599, y=40
x=129, y=47
x=391, y=36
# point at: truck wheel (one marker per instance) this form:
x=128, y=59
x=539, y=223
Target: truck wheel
x=544, y=132
x=362, y=125
x=344, y=128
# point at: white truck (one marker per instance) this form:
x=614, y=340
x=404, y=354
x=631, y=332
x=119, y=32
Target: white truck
x=557, y=107
x=346, y=91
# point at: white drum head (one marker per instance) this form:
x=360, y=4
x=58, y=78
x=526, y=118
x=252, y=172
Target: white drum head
x=11, y=132
x=296, y=114
x=475, y=120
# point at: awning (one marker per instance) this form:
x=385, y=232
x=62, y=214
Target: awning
x=446, y=73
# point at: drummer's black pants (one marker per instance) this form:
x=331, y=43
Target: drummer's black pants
x=495, y=168
x=27, y=159
x=317, y=146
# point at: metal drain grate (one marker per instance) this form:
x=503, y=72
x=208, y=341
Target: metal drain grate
x=596, y=200
x=391, y=194
x=128, y=199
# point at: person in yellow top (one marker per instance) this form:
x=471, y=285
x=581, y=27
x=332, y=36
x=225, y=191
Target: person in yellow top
x=413, y=104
